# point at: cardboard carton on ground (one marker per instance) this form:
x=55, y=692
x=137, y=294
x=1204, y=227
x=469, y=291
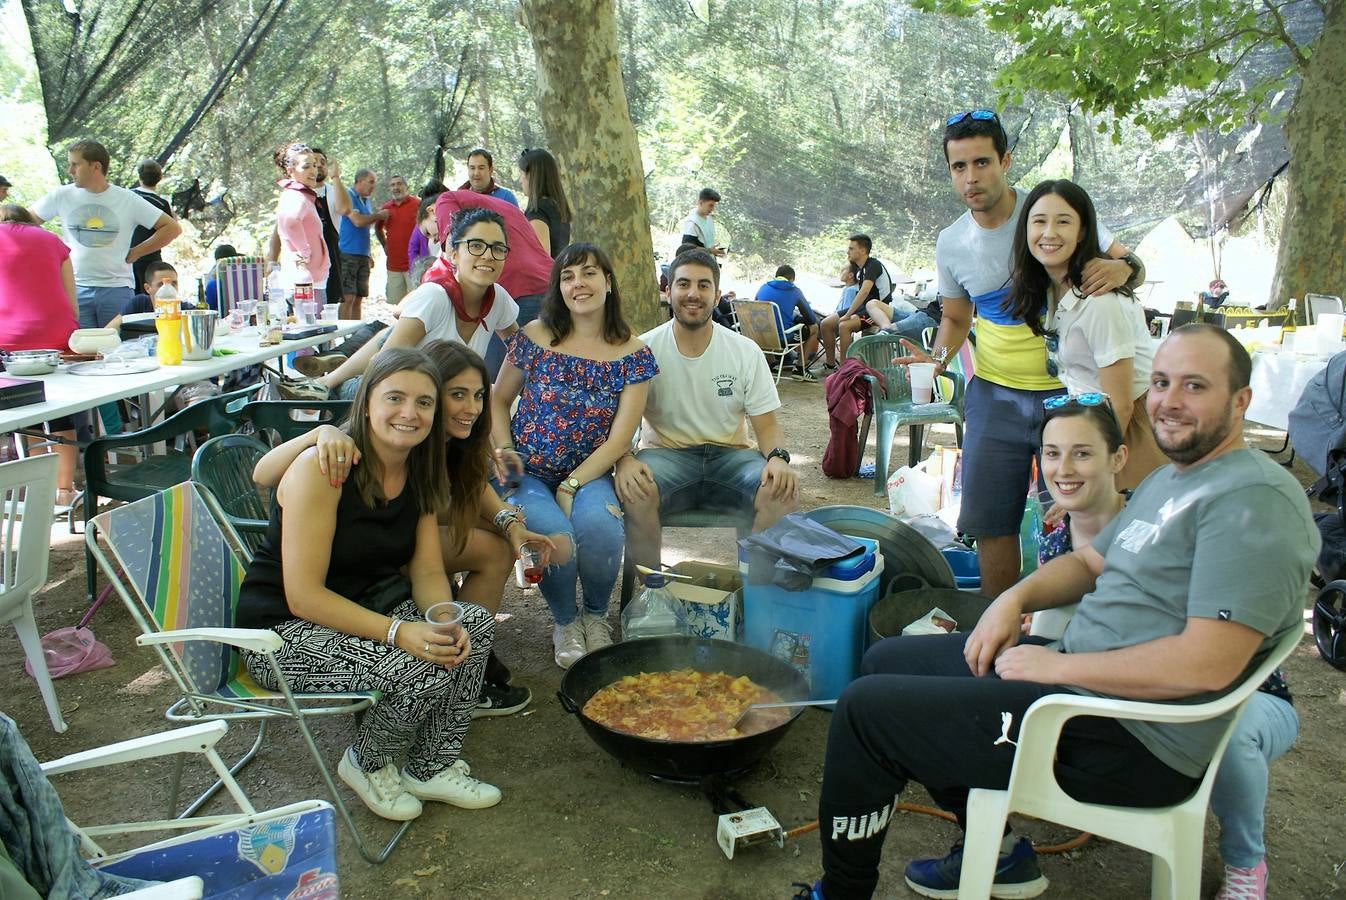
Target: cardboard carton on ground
x=710, y=613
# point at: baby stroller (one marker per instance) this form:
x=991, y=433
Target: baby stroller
x=1318, y=430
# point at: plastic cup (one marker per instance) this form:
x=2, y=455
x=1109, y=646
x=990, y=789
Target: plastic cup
x=530, y=557
x=1330, y=326
x=922, y=382
x=308, y=312
x=331, y=313
x=443, y=616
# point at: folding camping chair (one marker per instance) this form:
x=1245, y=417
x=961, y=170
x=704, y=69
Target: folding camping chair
x=760, y=321
x=179, y=575
x=239, y=278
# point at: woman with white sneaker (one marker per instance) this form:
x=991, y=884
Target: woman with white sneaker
x=328, y=579
x=581, y=378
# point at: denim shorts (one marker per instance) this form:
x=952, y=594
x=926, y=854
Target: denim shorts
x=708, y=477
x=1002, y=429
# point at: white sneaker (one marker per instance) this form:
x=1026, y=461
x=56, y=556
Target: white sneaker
x=454, y=786
x=568, y=642
x=597, y=631
x=381, y=791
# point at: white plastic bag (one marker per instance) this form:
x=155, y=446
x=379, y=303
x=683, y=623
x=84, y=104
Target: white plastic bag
x=912, y=491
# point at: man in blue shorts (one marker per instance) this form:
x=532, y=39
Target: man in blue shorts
x=695, y=452
x=1003, y=405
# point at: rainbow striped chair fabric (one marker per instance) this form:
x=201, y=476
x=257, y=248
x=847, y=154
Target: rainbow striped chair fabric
x=176, y=564
x=239, y=278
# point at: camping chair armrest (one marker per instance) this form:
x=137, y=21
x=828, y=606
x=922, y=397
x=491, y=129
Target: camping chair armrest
x=191, y=739
x=794, y=329
x=258, y=640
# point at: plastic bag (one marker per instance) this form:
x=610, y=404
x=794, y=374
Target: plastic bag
x=912, y=491
x=71, y=650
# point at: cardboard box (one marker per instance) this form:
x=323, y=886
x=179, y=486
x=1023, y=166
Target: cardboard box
x=710, y=613
x=743, y=829
x=710, y=575
x=20, y=392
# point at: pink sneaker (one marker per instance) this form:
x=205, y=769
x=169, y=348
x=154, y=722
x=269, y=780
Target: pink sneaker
x=1244, y=884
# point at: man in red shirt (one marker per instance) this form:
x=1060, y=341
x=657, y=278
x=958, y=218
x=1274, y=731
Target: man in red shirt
x=394, y=234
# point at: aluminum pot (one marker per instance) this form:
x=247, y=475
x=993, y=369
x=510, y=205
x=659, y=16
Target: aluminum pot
x=32, y=362
x=677, y=760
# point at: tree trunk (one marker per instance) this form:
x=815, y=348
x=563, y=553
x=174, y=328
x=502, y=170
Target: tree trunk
x=1312, y=256
x=589, y=130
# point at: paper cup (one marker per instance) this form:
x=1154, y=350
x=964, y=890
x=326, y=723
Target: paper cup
x=922, y=382
x=443, y=616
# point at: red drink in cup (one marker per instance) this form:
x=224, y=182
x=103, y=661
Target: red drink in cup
x=530, y=554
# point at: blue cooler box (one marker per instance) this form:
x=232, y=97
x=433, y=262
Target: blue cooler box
x=820, y=631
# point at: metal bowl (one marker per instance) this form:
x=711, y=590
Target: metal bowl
x=32, y=362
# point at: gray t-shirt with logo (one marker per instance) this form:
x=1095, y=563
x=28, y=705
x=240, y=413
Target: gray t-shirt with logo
x=1230, y=539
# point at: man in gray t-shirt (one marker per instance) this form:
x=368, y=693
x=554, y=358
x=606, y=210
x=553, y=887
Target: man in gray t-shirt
x=1181, y=597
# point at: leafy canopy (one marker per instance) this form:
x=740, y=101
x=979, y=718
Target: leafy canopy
x=1168, y=67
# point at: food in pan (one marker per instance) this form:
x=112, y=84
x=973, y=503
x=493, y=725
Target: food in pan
x=685, y=706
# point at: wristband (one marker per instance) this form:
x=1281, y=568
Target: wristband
x=391, y=638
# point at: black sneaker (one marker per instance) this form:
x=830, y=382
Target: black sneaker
x=1017, y=875
x=496, y=672
x=501, y=700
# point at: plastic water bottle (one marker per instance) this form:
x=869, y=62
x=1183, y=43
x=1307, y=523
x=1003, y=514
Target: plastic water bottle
x=275, y=290
x=654, y=612
x=166, y=300
x=1029, y=529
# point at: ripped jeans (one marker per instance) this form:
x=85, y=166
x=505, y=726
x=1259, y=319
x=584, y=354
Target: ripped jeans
x=595, y=530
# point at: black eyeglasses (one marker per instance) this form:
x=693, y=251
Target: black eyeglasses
x=479, y=248
x=980, y=115
x=1092, y=398
x=1053, y=342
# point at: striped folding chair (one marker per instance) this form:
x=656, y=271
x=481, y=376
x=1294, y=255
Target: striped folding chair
x=239, y=278
x=175, y=562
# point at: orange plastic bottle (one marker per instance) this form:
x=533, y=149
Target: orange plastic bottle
x=170, y=339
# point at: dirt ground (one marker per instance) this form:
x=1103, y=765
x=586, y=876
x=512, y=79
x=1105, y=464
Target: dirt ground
x=574, y=823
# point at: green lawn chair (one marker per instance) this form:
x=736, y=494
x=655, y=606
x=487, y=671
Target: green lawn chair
x=892, y=403
x=277, y=421
x=223, y=465
x=154, y=472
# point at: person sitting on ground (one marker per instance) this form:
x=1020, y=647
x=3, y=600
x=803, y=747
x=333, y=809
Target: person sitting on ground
x=328, y=580
x=581, y=379
x=460, y=301
x=1082, y=456
x=869, y=273
x=479, y=535
x=212, y=289
x=39, y=311
x=1175, y=604
x=1094, y=344
x=794, y=310
x=695, y=449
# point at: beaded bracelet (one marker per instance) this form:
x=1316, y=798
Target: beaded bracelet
x=391, y=638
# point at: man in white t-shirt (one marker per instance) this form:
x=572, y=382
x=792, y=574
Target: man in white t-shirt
x=698, y=229
x=695, y=452
x=98, y=219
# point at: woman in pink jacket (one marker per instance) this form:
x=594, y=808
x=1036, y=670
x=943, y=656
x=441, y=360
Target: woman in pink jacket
x=303, y=256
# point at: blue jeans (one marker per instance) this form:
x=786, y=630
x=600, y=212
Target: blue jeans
x=705, y=477
x=595, y=532
x=911, y=325
x=100, y=305
x=1265, y=730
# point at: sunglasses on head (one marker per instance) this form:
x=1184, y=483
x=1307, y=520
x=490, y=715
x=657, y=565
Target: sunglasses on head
x=1053, y=342
x=1092, y=398
x=980, y=115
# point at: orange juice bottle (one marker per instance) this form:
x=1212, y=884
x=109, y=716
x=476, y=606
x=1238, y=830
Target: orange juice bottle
x=169, y=350
x=166, y=301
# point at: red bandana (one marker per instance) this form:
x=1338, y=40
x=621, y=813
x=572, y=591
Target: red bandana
x=442, y=274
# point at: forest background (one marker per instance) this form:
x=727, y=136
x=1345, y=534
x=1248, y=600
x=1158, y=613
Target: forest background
x=813, y=118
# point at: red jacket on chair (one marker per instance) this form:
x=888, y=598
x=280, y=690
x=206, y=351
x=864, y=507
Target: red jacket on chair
x=847, y=399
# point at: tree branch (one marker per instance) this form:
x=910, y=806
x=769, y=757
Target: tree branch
x=1284, y=36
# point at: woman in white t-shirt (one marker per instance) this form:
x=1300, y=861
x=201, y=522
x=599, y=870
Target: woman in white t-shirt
x=459, y=301
x=1095, y=344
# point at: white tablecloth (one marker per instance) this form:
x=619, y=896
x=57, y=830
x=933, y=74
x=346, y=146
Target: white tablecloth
x=1278, y=380
x=67, y=394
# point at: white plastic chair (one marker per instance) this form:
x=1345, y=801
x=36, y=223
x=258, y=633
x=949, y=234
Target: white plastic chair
x=760, y=322
x=27, y=503
x=269, y=852
x=1171, y=834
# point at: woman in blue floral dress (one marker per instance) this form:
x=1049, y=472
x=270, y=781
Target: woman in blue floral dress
x=581, y=379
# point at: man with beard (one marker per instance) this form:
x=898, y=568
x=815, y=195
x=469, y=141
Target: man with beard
x=695, y=449
x=1177, y=603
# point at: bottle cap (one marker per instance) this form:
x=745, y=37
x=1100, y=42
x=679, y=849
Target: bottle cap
x=655, y=580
